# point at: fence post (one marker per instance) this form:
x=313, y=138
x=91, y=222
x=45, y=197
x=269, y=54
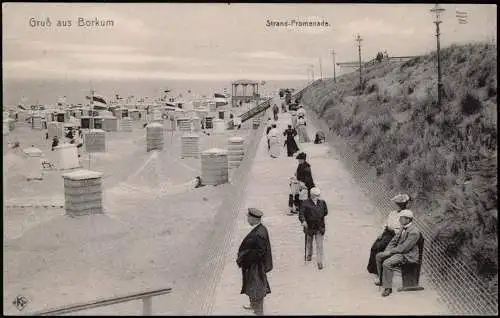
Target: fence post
x=147, y=306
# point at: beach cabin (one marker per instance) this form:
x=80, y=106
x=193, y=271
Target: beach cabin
x=85, y=122
x=98, y=122
x=60, y=117
x=134, y=114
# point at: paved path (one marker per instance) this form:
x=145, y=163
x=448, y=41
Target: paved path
x=343, y=286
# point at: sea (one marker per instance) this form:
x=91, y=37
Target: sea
x=48, y=92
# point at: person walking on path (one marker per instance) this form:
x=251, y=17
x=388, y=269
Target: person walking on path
x=312, y=214
x=293, y=118
x=276, y=110
x=390, y=228
x=302, y=130
x=304, y=172
x=401, y=249
x=274, y=142
x=298, y=194
x=291, y=145
x=269, y=126
x=301, y=112
x=255, y=260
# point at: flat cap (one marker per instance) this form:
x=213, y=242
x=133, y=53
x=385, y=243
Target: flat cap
x=301, y=155
x=255, y=212
x=401, y=198
x=406, y=213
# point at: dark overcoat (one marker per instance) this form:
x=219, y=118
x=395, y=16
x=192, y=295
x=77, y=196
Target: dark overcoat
x=255, y=260
x=314, y=215
x=291, y=145
x=304, y=174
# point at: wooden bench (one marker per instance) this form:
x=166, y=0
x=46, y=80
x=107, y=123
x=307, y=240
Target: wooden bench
x=410, y=272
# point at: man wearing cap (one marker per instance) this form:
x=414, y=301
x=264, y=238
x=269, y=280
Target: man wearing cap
x=312, y=214
x=389, y=229
x=401, y=249
x=255, y=260
x=303, y=172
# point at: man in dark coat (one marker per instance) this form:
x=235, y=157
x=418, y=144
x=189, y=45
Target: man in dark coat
x=303, y=172
x=312, y=214
x=276, y=110
x=255, y=260
x=291, y=145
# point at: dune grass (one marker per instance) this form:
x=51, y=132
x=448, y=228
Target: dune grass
x=445, y=157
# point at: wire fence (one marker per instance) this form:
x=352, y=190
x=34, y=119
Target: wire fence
x=459, y=287
x=201, y=298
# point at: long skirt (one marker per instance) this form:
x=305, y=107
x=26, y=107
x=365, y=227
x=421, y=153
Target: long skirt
x=294, y=121
x=291, y=147
x=378, y=246
x=303, y=137
x=274, y=147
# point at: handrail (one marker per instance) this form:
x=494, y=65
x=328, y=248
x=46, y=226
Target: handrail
x=256, y=110
x=144, y=295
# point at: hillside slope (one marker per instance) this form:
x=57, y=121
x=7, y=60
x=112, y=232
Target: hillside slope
x=445, y=158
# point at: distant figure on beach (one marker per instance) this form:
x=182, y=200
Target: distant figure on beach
x=69, y=135
x=291, y=145
x=198, y=184
x=275, y=111
x=255, y=260
x=237, y=122
x=274, y=142
x=55, y=142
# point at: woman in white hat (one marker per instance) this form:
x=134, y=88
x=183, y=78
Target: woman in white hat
x=390, y=228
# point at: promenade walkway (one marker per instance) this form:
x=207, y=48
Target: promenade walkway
x=343, y=286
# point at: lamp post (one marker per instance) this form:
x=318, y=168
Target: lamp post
x=312, y=71
x=320, y=69
x=359, y=39
x=437, y=10
x=333, y=55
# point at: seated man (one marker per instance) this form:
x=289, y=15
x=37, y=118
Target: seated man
x=401, y=249
x=320, y=137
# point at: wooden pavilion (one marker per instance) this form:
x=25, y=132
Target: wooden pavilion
x=236, y=98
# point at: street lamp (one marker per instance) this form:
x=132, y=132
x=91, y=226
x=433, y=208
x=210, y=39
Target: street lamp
x=359, y=39
x=333, y=55
x=437, y=10
x=312, y=71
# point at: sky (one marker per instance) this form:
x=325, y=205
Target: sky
x=217, y=41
